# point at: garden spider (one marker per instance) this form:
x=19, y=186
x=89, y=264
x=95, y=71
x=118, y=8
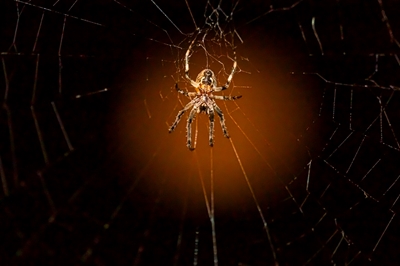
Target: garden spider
x=204, y=100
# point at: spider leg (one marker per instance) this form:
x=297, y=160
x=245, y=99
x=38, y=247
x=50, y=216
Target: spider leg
x=187, y=94
x=189, y=127
x=179, y=115
x=227, y=98
x=211, y=134
x=222, y=120
x=187, y=55
x=228, y=82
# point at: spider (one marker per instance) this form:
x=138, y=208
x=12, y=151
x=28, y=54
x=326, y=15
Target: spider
x=204, y=100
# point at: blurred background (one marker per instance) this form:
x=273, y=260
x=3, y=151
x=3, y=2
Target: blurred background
x=91, y=176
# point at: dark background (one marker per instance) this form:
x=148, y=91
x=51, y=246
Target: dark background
x=122, y=191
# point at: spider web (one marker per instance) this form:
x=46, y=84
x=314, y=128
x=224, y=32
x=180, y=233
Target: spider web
x=90, y=175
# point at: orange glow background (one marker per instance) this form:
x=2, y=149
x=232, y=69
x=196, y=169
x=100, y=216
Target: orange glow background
x=130, y=193
x=275, y=108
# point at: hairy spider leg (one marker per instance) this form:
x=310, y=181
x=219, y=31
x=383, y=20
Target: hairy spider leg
x=187, y=55
x=179, y=115
x=211, y=134
x=227, y=98
x=189, y=127
x=222, y=120
x=228, y=82
x=195, y=102
x=187, y=94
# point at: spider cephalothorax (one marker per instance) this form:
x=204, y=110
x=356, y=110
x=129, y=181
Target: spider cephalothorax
x=206, y=79
x=204, y=100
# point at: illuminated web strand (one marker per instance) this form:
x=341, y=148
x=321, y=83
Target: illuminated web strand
x=150, y=223
x=249, y=140
x=322, y=101
x=303, y=35
x=34, y=237
x=35, y=81
x=339, y=243
x=58, y=12
x=210, y=207
x=355, y=155
x=92, y=22
x=92, y=178
x=7, y=85
x=60, y=65
x=316, y=35
x=308, y=175
x=208, y=54
x=260, y=154
x=212, y=218
x=355, y=257
x=345, y=238
x=47, y=194
x=265, y=160
x=386, y=20
x=173, y=112
x=12, y=144
x=182, y=223
x=10, y=124
x=397, y=59
x=73, y=4
x=322, y=247
x=147, y=108
x=340, y=145
x=357, y=185
x=391, y=87
x=265, y=225
x=61, y=124
x=191, y=14
x=165, y=15
x=38, y=32
x=383, y=107
x=390, y=187
x=202, y=184
x=3, y=179
x=334, y=104
x=367, y=195
x=359, y=147
x=13, y=45
x=391, y=128
x=340, y=22
x=149, y=21
x=97, y=239
x=35, y=54
x=376, y=69
x=325, y=190
x=196, y=248
x=90, y=93
x=196, y=134
x=381, y=117
x=274, y=10
x=383, y=232
x=395, y=201
x=369, y=171
x=143, y=171
x=351, y=109
x=40, y=136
